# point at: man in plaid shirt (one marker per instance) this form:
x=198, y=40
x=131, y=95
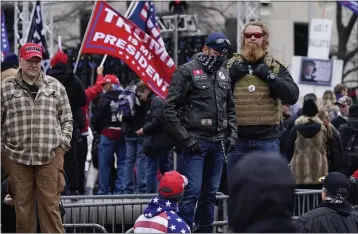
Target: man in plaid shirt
x=36, y=129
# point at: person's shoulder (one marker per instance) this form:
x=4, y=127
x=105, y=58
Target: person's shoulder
x=53, y=82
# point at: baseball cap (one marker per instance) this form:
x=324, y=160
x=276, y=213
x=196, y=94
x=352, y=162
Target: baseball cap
x=337, y=184
x=345, y=100
x=30, y=50
x=172, y=185
x=219, y=42
x=111, y=79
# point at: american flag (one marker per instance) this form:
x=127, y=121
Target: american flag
x=144, y=16
x=37, y=35
x=161, y=217
x=5, y=45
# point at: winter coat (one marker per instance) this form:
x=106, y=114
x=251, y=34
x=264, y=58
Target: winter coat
x=350, y=147
x=75, y=92
x=156, y=137
x=335, y=154
x=261, y=190
x=161, y=217
x=329, y=218
x=306, y=150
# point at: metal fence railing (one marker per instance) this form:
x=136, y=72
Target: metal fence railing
x=117, y=213
x=84, y=228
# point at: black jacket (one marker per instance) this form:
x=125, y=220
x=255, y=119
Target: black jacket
x=285, y=133
x=155, y=135
x=200, y=105
x=346, y=132
x=283, y=88
x=75, y=92
x=329, y=218
x=103, y=117
x=338, y=121
x=132, y=124
x=335, y=152
x=261, y=190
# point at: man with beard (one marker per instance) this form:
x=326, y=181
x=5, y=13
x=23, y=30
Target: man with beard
x=260, y=85
x=199, y=112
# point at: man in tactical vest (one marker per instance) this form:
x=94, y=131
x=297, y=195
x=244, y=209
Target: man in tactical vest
x=199, y=112
x=260, y=85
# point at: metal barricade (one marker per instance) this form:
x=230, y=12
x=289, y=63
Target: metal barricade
x=306, y=200
x=117, y=213
x=84, y=228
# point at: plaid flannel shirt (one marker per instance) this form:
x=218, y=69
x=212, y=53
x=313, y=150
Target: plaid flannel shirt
x=32, y=129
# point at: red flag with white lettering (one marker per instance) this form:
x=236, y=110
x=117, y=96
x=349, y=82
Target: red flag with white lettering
x=111, y=33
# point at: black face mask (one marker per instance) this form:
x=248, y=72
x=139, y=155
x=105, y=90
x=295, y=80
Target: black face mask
x=211, y=63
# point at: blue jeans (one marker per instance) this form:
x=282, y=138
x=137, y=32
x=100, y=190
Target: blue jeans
x=135, y=155
x=160, y=160
x=107, y=148
x=244, y=146
x=204, y=174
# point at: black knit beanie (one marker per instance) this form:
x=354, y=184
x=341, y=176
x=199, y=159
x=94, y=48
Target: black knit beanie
x=309, y=108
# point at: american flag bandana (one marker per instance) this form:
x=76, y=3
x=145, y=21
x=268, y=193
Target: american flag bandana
x=144, y=16
x=5, y=45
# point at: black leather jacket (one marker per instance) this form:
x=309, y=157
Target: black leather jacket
x=200, y=104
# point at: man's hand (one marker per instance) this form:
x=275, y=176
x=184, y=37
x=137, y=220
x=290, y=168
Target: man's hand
x=8, y=200
x=238, y=70
x=230, y=145
x=192, y=146
x=140, y=132
x=100, y=70
x=262, y=71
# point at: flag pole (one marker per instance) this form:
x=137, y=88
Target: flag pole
x=85, y=36
x=126, y=15
x=29, y=26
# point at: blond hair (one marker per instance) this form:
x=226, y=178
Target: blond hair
x=265, y=31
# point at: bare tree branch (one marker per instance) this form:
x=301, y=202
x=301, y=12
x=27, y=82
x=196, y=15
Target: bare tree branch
x=350, y=71
x=350, y=54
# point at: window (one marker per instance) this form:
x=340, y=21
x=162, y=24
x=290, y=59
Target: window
x=300, y=35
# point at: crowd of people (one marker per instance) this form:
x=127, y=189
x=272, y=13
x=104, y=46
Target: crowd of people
x=235, y=125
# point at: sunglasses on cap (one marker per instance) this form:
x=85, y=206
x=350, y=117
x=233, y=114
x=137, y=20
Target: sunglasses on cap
x=220, y=41
x=256, y=35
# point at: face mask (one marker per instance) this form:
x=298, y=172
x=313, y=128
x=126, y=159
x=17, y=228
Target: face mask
x=211, y=63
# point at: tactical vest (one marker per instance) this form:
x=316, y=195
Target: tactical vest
x=205, y=108
x=253, y=103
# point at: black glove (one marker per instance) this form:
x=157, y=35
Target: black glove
x=238, y=70
x=262, y=71
x=230, y=145
x=192, y=146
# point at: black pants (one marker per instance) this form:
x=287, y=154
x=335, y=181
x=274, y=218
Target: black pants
x=82, y=148
x=70, y=166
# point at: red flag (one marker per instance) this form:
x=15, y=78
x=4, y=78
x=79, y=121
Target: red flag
x=111, y=33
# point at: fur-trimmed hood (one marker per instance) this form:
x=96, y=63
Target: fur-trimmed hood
x=307, y=126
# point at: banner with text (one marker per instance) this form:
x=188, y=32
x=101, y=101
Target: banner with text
x=319, y=38
x=111, y=33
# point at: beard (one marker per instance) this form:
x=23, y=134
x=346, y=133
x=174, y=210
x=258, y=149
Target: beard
x=252, y=52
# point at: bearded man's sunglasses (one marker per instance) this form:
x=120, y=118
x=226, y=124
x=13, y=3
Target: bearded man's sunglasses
x=257, y=35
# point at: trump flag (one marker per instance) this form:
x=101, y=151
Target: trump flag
x=111, y=33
